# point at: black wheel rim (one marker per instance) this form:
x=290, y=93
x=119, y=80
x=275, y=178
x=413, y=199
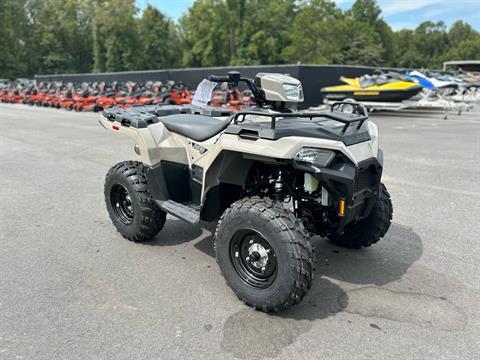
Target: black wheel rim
x=253, y=258
x=122, y=204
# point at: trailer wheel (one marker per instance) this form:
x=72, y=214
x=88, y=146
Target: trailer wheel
x=264, y=253
x=129, y=203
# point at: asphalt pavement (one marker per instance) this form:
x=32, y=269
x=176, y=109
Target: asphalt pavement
x=72, y=288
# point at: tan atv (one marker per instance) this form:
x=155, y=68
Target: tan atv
x=270, y=176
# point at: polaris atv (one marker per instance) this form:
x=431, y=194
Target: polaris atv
x=270, y=176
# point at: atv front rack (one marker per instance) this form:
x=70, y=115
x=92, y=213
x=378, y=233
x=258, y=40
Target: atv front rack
x=344, y=118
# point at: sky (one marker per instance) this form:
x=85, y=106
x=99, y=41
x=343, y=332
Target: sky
x=400, y=14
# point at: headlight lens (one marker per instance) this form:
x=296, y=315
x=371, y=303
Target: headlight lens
x=293, y=92
x=318, y=157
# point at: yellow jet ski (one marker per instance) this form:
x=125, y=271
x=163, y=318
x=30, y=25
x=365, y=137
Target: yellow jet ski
x=377, y=87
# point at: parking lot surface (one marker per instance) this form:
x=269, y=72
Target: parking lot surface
x=72, y=288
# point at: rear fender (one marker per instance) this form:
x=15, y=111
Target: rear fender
x=142, y=138
x=155, y=142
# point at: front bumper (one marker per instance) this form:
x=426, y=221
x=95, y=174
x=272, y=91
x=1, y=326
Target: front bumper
x=357, y=185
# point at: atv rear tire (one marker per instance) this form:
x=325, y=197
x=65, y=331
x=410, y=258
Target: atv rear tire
x=370, y=230
x=129, y=203
x=264, y=253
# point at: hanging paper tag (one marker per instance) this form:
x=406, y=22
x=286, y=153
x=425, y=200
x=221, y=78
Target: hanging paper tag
x=203, y=94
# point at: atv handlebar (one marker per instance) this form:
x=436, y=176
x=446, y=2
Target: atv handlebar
x=218, y=79
x=234, y=78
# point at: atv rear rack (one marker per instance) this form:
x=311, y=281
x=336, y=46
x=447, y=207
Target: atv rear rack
x=143, y=116
x=344, y=118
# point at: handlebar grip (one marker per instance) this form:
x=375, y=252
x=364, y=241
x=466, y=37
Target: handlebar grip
x=218, y=79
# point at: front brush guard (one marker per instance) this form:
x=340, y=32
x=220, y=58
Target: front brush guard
x=345, y=181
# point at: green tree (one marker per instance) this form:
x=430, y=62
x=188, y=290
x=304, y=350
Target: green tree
x=322, y=34
x=358, y=44
x=422, y=47
x=235, y=16
x=115, y=36
x=316, y=19
x=264, y=32
x=204, y=33
x=93, y=9
x=12, y=48
x=160, y=44
x=52, y=36
x=64, y=46
x=429, y=43
x=461, y=31
x=216, y=32
x=466, y=50
x=387, y=40
x=464, y=43
x=402, y=51
x=366, y=11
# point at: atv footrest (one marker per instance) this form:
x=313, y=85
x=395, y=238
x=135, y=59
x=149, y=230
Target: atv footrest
x=181, y=211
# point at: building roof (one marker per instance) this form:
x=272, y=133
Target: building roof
x=460, y=62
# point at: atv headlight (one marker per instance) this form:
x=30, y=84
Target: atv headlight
x=293, y=92
x=317, y=157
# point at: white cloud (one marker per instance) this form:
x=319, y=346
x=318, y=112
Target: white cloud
x=392, y=7
x=435, y=12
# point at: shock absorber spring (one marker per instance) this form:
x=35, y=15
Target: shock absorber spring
x=278, y=186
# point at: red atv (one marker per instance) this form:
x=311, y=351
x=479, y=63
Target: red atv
x=177, y=94
x=86, y=101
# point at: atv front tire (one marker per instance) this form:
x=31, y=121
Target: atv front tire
x=129, y=203
x=371, y=229
x=264, y=253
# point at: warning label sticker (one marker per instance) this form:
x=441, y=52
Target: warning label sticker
x=203, y=94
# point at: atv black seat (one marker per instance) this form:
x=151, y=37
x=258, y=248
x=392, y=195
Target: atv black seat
x=195, y=127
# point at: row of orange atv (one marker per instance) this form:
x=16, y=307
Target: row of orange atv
x=97, y=96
